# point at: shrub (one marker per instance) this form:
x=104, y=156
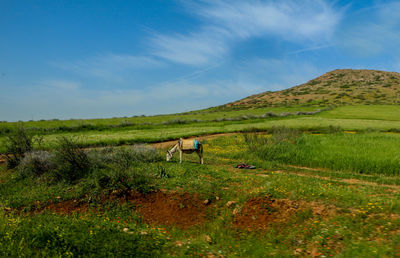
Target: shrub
x=127, y=156
x=101, y=158
x=36, y=163
x=122, y=182
x=71, y=160
x=18, y=142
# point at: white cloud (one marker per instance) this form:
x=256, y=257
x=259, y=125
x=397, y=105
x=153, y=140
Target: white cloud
x=226, y=22
x=292, y=20
x=192, y=49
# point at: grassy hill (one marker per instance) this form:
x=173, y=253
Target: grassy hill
x=342, y=86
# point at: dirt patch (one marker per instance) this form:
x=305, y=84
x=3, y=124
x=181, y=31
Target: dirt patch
x=172, y=209
x=2, y=159
x=260, y=212
x=67, y=207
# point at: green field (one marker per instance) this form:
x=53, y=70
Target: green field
x=325, y=185
x=203, y=115
x=377, y=112
x=151, y=129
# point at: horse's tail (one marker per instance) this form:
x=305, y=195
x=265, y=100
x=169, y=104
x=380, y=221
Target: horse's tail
x=201, y=147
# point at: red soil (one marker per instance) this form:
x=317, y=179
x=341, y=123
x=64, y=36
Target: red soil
x=67, y=207
x=171, y=209
x=183, y=210
x=260, y=212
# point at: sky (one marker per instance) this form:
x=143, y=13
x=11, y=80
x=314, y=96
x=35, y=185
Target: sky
x=99, y=59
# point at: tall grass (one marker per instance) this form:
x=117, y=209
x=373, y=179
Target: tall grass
x=369, y=153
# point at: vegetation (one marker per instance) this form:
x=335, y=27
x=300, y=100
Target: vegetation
x=275, y=210
x=338, y=87
x=17, y=144
x=326, y=184
x=368, y=153
x=364, y=119
x=207, y=115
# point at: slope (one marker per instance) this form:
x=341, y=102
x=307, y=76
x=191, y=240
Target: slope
x=342, y=86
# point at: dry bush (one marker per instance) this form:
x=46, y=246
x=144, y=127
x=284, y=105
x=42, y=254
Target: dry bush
x=36, y=163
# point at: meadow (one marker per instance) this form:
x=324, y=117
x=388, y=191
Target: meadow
x=325, y=185
x=110, y=132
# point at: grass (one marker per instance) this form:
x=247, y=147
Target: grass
x=322, y=204
x=361, y=212
x=362, y=118
x=368, y=153
x=102, y=124
x=371, y=112
x=162, y=133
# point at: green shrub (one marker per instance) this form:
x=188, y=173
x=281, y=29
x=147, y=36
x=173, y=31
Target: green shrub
x=71, y=160
x=17, y=143
x=123, y=182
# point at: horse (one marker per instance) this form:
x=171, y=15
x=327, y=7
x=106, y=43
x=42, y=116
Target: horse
x=186, y=146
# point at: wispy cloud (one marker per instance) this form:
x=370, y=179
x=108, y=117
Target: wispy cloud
x=192, y=49
x=292, y=20
x=227, y=22
x=61, y=84
x=311, y=49
x=376, y=31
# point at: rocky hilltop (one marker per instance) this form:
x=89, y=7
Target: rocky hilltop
x=342, y=86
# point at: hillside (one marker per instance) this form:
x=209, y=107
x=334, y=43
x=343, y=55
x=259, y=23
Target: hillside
x=342, y=86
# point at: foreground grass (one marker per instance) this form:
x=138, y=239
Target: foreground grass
x=356, y=219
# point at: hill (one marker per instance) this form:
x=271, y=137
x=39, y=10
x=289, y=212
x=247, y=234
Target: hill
x=342, y=86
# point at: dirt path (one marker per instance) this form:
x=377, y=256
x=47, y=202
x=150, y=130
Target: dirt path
x=351, y=181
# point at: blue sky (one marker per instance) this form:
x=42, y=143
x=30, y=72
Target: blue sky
x=98, y=59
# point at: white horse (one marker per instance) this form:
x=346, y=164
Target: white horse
x=186, y=146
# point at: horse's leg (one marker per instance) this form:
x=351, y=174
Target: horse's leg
x=180, y=155
x=201, y=157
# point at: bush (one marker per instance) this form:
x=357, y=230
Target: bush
x=18, y=142
x=122, y=182
x=124, y=157
x=71, y=160
x=36, y=163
